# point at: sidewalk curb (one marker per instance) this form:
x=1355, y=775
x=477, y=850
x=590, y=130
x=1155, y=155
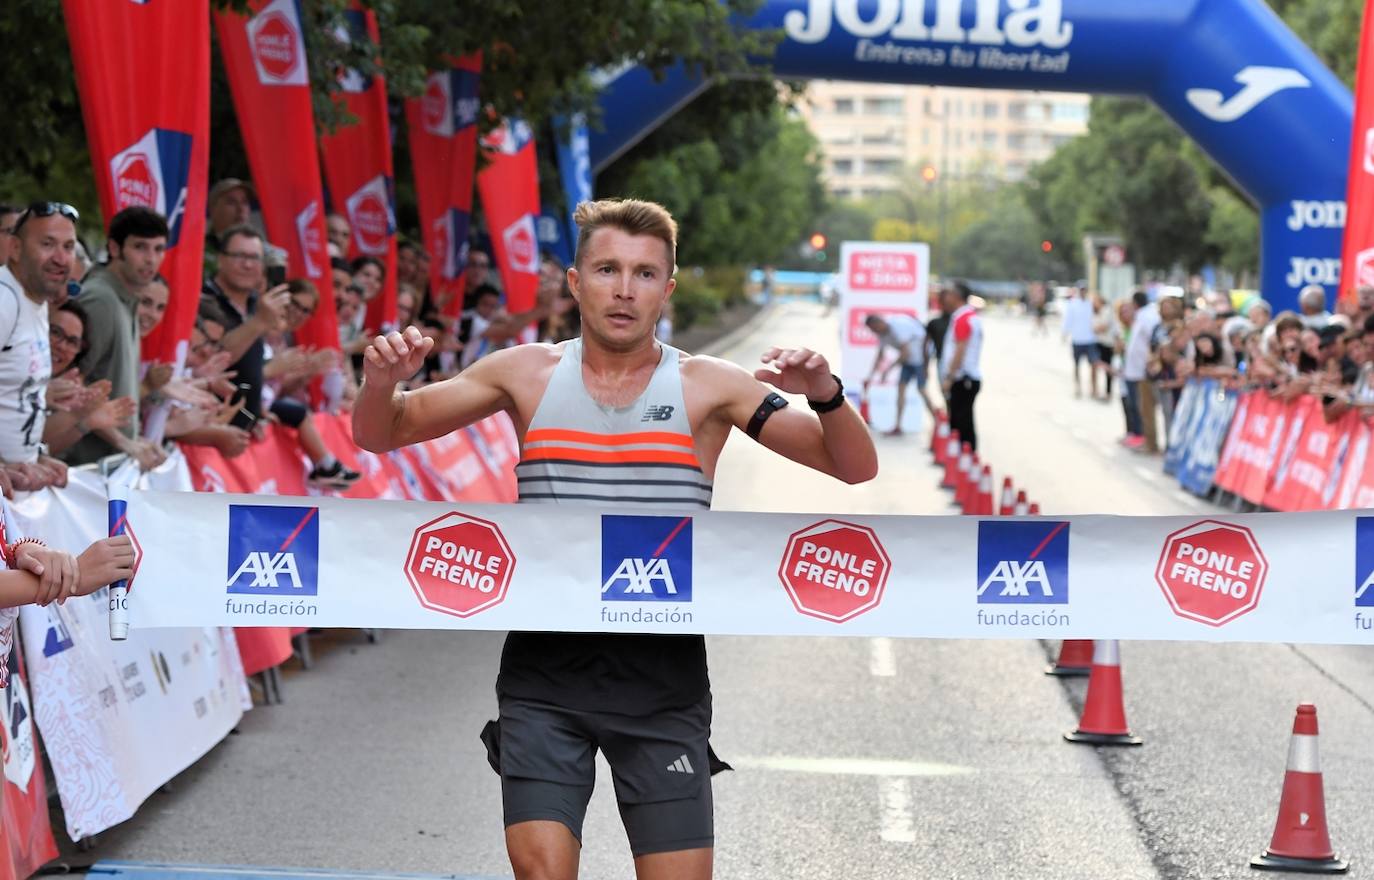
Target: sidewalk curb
x=732, y=338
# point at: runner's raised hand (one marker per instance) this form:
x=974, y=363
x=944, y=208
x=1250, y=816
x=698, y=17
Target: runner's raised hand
x=797, y=371
x=395, y=357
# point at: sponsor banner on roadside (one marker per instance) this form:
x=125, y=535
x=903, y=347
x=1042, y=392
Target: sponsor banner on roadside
x=456, y=565
x=118, y=719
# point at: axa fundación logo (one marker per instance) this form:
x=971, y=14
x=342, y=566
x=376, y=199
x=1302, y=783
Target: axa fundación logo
x=1023, y=564
x=647, y=560
x=1364, y=572
x=274, y=557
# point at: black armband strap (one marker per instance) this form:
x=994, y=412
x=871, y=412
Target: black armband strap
x=771, y=404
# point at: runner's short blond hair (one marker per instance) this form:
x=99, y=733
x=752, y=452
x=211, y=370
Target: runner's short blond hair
x=632, y=216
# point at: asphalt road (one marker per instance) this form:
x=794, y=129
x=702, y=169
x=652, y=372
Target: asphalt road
x=855, y=758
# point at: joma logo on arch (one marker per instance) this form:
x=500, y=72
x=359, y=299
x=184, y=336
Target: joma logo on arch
x=1027, y=22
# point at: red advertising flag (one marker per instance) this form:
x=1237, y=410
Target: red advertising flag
x=510, y=200
x=264, y=56
x=143, y=74
x=357, y=165
x=442, y=126
x=1357, y=249
x=26, y=826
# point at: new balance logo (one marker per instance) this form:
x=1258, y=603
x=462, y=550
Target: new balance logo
x=681, y=765
x=266, y=568
x=658, y=413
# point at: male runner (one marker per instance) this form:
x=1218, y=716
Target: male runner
x=613, y=417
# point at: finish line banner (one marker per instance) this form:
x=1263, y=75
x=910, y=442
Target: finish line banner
x=258, y=560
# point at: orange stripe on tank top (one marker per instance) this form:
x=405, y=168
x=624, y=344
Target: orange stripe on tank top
x=560, y=435
x=611, y=456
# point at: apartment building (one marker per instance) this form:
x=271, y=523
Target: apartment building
x=870, y=131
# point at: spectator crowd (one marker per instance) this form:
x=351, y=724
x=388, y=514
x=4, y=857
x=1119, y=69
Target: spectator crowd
x=76, y=385
x=1150, y=343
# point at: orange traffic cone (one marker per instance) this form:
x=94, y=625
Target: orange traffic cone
x=983, y=504
x=1075, y=659
x=951, y=461
x=1008, y=502
x=939, y=438
x=1301, y=842
x=1034, y=509
x=1020, y=508
x=961, y=470
x=968, y=489
x=863, y=406
x=1103, y=722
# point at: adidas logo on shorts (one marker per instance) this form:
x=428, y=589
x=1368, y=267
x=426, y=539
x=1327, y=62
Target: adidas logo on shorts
x=681, y=765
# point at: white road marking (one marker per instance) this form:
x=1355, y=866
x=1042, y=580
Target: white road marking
x=852, y=766
x=895, y=823
x=882, y=660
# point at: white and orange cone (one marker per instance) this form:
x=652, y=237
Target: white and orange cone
x=1075, y=659
x=967, y=493
x=983, y=502
x=939, y=438
x=1020, y=508
x=1103, y=722
x=951, y=461
x=1301, y=841
x=1007, y=505
x=961, y=467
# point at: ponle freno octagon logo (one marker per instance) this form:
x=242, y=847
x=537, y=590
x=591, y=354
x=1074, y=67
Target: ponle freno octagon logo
x=135, y=182
x=459, y=564
x=274, y=44
x=834, y=570
x=1212, y=572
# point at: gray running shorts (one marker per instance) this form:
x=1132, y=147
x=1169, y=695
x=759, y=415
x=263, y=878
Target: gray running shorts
x=661, y=766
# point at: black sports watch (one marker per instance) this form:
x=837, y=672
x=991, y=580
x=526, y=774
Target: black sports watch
x=834, y=403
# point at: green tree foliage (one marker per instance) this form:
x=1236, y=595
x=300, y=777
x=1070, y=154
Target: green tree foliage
x=537, y=62
x=1130, y=174
x=1135, y=174
x=737, y=171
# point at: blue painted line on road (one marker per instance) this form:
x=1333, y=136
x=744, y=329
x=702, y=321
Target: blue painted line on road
x=119, y=870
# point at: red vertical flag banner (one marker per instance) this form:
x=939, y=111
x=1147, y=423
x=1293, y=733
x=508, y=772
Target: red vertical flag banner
x=442, y=126
x=26, y=825
x=1357, y=250
x=143, y=74
x=264, y=56
x=357, y=165
x=510, y=200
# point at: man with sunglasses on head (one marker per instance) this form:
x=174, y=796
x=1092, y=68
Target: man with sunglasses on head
x=110, y=295
x=36, y=273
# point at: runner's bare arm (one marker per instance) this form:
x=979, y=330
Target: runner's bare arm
x=386, y=418
x=836, y=443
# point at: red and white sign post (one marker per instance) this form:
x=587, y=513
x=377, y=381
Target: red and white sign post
x=1212, y=572
x=880, y=278
x=459, y=564
x=834, y=570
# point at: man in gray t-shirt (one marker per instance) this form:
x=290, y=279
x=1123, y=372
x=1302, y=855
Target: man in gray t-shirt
x=907, y=336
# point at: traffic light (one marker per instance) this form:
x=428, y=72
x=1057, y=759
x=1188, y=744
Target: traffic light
x=928, y=173
x=1046, y=246
x=818, y=241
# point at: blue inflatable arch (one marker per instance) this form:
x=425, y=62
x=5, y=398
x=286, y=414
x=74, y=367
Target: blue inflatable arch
x=1229, y=72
